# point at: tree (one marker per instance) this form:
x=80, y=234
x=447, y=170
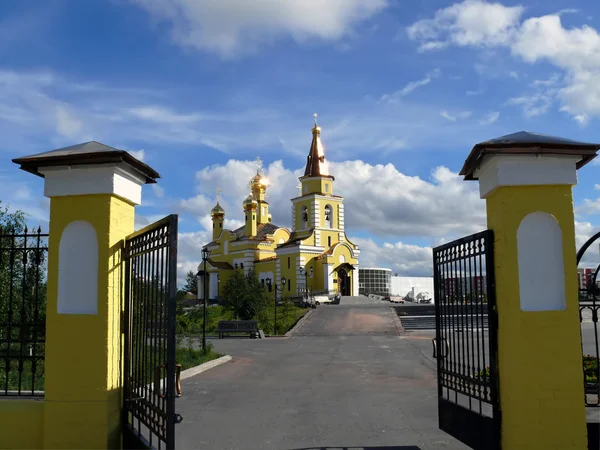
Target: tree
x=244, y=295
x=22, y=276
x=191, y=283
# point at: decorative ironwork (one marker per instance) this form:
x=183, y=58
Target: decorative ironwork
x=589, y=309
x=466, y=340
x=23, y=270
x=151, y=384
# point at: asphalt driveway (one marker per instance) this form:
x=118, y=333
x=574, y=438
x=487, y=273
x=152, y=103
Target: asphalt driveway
x=345, y=379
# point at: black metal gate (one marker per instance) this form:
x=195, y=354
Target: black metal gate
x=466, y=340
x=151, y=376
x=589, y=309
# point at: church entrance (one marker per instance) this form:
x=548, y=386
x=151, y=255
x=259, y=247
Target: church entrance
x=344, y=282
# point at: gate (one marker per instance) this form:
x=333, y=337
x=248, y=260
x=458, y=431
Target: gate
x=589, y=308
x=465, y=345
x=150, y=384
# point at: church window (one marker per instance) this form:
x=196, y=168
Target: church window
x=221, y=225
x=327, y=187
x=328, y=216
x=305, y=188
x=342, y=259
x=289, y=262
x=329, y=241
x=241, y=265
x=235, y=266
x=213, y=224
x=265, y=210
x=289, y=285
x=305, y=216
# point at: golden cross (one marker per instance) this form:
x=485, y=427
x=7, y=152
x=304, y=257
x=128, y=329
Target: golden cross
x=258, y=164
x=218, y=195
x=315, y=115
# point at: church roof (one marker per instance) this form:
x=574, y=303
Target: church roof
x=524, y=142
x=91, y=152
x=296, y=238
x=316, y=166
x=262, y=230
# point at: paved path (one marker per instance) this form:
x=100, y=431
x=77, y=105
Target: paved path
x=345, y=380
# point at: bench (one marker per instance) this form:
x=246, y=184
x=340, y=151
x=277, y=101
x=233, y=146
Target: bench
x=237, y=326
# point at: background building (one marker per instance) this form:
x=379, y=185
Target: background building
x=414, y=287
x=375, y=281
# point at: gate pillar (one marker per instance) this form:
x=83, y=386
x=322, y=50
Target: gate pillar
x=526, y=180
x=93, y=190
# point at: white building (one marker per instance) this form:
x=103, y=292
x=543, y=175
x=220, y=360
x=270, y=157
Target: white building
x=415, y=287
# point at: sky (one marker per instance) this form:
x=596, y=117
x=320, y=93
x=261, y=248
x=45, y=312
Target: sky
x=198, y=89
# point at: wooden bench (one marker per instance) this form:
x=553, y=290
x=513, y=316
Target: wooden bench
x=237, y=326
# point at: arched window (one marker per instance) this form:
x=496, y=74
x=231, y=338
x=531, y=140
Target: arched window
x=328, y=216
x=305, y=216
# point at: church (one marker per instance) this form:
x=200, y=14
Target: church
x=314, y=256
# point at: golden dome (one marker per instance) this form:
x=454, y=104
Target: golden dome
x=249, y=200
x=217, y=210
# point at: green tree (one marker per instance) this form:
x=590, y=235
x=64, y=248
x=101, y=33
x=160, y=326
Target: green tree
x=191, y=283
x=22, y=277
x=244, y=296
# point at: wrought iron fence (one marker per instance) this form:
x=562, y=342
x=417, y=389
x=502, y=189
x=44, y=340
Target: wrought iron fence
x=23, y=256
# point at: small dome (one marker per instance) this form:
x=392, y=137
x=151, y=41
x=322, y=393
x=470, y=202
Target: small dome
x=258, y=181
x=249, y=200
x=217, y=210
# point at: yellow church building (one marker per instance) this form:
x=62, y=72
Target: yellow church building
x=314, y=256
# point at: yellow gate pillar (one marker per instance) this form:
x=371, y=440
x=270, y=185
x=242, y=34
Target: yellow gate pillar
x=93, y=189
x=526, y=180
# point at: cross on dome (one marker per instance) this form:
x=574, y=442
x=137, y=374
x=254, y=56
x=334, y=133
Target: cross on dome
x=218, y=195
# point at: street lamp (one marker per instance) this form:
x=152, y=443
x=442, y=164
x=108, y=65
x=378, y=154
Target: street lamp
x=277, y=289
x=307, y=274
x=205, y=256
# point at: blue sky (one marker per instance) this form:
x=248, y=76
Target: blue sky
x=199, y=89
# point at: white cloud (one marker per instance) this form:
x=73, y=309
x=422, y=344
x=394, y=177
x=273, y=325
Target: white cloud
x=490, y=118
x=410, y=87
x=575, y=50
x=472, y=22
x=141, y=155
x=233, y=27
x=534, y=104
x=454, y=117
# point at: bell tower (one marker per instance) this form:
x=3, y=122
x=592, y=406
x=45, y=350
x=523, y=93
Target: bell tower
x=316, y=207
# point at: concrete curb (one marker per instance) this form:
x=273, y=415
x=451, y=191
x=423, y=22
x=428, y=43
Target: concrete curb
x=396, y=320
x=192, y=371
x=299, y=323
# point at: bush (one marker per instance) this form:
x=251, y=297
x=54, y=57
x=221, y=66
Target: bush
x=590, y=369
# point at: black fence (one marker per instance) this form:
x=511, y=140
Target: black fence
x=466, y=341
x=23, y=257
x=589, y=309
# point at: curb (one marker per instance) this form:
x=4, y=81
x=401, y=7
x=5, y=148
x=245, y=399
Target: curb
x=204, y=367
x=299, y=323
x=396, y=320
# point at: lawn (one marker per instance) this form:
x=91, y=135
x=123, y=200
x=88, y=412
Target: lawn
x=189, y=357
x=190, y=323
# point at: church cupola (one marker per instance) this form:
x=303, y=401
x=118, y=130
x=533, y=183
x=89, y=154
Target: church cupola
x=316, y=179
x=258, y=187
x=218, y=217
x=250, y=208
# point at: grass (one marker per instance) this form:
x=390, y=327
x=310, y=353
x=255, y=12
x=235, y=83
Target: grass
x=189, y=357
x=190, y=323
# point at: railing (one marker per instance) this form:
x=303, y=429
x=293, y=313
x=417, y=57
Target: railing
x=23, y=258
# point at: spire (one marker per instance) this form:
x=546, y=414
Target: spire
x=316, y=166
